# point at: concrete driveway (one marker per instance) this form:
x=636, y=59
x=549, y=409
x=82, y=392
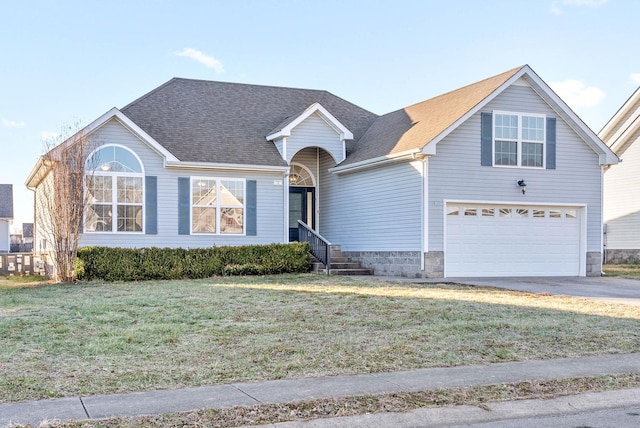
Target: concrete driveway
x=606, y=288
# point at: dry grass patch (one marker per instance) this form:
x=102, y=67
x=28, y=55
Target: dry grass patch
x=350, y=406
x=630, y=271
x=99, y=338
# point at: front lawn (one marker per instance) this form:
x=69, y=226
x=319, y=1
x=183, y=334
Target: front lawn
x=94, y=338
x=630, y=271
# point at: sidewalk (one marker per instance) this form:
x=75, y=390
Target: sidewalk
x=283, y=391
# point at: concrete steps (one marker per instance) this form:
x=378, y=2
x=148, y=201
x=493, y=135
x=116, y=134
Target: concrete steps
x=340, y=264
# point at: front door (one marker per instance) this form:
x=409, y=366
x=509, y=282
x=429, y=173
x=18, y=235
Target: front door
x=302, y=206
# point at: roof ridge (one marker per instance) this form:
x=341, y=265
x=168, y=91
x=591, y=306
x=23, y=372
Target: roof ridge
x=153, y=91
x=247, y=84
x=477, y=83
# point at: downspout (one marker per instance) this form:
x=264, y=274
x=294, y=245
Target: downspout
x=603, y=258
x=285, y=182
x=425, y=212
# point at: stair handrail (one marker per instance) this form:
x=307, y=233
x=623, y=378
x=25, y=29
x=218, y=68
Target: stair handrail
x=319, y=246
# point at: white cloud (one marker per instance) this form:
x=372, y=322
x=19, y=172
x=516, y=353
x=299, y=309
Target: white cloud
x=577, y=94
x=202, y=58
x=556, y=5
x=12, y=123
x=635, y=78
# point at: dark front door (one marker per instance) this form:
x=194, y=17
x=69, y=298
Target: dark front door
x=302, y=206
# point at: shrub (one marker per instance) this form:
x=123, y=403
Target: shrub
x=136, y=264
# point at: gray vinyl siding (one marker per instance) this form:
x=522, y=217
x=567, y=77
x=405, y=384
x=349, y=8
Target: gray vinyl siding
x=270, y=196
x=622, y=200
x=4, y=236
x=279, y=143
x=455, y=171
x=314, y=132
x=372, y=210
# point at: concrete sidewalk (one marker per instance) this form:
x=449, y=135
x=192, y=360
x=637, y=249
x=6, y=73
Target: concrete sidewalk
x=284, y=391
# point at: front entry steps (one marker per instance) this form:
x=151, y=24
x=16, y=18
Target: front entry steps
x=340, y=264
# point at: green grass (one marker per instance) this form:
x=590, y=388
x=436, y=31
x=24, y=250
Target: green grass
x=630, y=271
x=93, y=338
x=22, y=279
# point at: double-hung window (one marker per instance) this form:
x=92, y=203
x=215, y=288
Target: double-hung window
x=217, y=205
x=519, y=139
x=115, y=186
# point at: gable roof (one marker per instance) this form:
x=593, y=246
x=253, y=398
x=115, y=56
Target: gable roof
x=285, y=127
x=418, y=128
x=624, y=127
x=413, y=127
x=6, y=201
x=227, y=123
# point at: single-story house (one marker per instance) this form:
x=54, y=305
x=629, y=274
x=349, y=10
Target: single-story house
x=498, y=178
x=622, y=184
x=6, y=216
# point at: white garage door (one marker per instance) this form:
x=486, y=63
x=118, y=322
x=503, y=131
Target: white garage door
x=510, y=240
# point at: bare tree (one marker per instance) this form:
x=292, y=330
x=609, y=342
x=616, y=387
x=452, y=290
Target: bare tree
x=60, y=201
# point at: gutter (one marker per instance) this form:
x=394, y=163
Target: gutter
x=379, y=161
x=227, y=166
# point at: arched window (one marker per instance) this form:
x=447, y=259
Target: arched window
x=115, y=186
x=300, y=176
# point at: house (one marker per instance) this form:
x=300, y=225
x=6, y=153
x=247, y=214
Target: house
x=621, y=184
x=27, y=234
x=6, y=216
x=498, y=178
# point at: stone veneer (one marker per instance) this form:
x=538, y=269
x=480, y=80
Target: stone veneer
x=389, y=263
x=407, y=263
x=434, y=264
x=622, y=257
x=594, y=263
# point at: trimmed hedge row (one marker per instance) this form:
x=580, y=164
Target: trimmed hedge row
x=136, y=264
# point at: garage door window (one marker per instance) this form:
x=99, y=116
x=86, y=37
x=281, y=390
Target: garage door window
x=515, y=212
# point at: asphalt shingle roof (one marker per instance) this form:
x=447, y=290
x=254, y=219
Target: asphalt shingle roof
x=415, y=126
x=220, y=122
x=6, y=200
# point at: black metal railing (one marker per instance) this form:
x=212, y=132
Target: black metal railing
x=320, y=247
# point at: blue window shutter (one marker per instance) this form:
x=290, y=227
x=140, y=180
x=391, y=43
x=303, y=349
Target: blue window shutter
x=252, y=219
x=184, y=207
x=151, y=205
x=551, y=143
x=486, y=145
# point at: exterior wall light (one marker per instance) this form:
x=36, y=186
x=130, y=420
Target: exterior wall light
x=522, y=185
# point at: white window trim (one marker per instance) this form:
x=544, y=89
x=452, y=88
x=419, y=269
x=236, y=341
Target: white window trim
x=519, y=139
x=218, y=205
x=114, y=194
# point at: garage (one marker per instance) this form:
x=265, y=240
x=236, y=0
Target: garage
x=512, y=240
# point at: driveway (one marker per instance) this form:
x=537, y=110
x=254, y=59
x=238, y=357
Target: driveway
x=607, y=288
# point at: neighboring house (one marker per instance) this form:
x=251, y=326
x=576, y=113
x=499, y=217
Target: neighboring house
x=496, y=178
x=6, y=215
x=27, y=233
x=622, y=184
x=22, y=243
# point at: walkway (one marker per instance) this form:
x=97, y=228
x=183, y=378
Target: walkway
x=284, y=391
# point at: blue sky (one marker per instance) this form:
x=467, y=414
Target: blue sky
x=68, y=61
